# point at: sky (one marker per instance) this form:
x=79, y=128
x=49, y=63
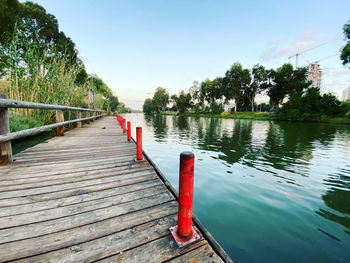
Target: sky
x=136, y=46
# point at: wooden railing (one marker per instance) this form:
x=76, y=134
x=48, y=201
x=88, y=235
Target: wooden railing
x=6, y=136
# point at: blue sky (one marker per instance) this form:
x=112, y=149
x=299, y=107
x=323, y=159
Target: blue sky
x=136, y=46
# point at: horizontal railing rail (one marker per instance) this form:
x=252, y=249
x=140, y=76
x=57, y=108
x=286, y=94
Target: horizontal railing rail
x=6, y=136
x=6, y=103
x=33, y=131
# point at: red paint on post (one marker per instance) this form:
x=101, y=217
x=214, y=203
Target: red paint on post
x=185, y=193
x=184, y=233
x=124, y=125
x=139, y=143
x=129, y=131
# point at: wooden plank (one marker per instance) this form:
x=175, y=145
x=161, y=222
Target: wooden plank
x=60, y=167
x=89, y=217
x=70, y=200
x=74, y=192
x=50, y=177
x=81, y=207
x=159, y=250
x=43, y=244
x=74, y=185
x=109, y=245
x=202, y=254
x=71, y=179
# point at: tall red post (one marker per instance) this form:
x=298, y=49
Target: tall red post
x=184, y=233
x=139, y=143
x=124, y=125
x=129, y=131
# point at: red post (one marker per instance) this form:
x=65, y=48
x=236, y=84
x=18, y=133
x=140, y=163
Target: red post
x=139, y=143
x=184, y=233
x=129, y=131
x=124, y=125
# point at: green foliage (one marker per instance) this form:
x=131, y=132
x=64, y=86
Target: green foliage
x=236, y=81
x=160, y=99
x=148, y=106
x=8, y=18
x=21, y=122
x=224, y=114
x=347, y=115
x=182, y=102
x=216, y=108
x=285, y=81
x=345, y=52
x=122, y=109
x=309, y=106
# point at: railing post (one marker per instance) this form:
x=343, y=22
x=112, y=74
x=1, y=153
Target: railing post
x=87, y=115
x=184, y=233
x=79, y=117
x=129, y=131
x=59, y=118
x=92, y=115
x=70, y=125
x=5, y=147
x=139, y=143
x=124, y=125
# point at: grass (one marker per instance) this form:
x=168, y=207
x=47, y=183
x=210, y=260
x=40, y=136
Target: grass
x=256, y=116
x=233, y=115
x=20, y=122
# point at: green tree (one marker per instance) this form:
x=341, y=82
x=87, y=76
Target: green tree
x=160, y=99
x=285, y=82
x=258, y=84
x=311, y=105
x=8, y=18
x=345, y=52
x=183, y=101
x=195, y=90
x=236, y=81
x=148, y=106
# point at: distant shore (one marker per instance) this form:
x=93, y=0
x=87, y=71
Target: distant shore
x=267, y=116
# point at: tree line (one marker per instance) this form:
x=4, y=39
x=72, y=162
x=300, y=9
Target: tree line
x=242, y=85
x=40, y=63
x=291, y=95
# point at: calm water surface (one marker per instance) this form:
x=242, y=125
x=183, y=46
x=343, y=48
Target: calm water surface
x=267, y=191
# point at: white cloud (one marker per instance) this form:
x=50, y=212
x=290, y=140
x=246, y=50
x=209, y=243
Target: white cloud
x=283, y=47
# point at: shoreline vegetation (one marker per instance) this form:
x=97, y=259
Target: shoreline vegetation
x=262, y=116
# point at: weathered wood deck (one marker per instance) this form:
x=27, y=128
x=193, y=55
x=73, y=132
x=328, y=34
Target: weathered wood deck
x=82, y=197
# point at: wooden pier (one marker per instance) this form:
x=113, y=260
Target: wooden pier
x=83, y=197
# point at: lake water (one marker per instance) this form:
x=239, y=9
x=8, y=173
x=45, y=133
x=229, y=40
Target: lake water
x=267, y=191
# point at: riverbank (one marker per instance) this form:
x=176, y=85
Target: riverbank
x=256, y=116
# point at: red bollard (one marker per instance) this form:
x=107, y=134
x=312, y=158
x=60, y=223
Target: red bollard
x=129, y=131
x=139, y=143
x=184, y=233
x=124, y=125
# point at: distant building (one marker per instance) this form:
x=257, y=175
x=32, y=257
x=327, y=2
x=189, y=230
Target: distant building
x=346, y=94
x=314, y=74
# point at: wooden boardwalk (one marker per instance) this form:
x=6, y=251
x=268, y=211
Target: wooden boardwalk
x=83, y=198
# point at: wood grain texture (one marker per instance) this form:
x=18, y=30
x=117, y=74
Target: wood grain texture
x=83, y=198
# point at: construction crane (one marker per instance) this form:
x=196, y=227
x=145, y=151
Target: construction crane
x=306, y=50
x=317, y=61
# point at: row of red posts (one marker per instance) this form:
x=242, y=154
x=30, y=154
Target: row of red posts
x=183, y=233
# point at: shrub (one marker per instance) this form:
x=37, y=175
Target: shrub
x=216, y=108
x=224, y=114
x=347, y=115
